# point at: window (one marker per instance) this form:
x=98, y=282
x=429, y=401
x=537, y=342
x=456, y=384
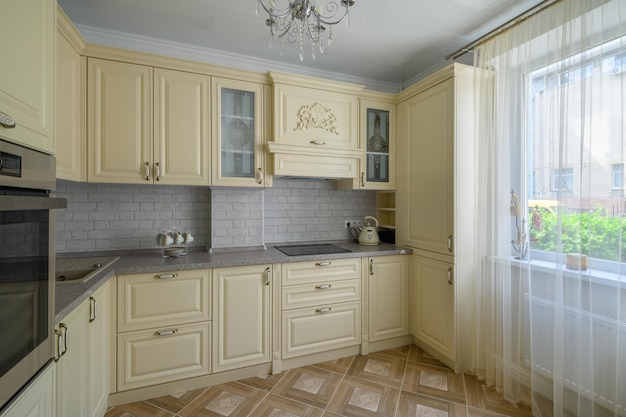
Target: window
x=618, y=176
x=563, y=179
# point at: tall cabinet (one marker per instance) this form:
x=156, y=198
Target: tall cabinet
x=435, y=210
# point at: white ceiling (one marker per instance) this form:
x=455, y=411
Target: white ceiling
x=388, y=45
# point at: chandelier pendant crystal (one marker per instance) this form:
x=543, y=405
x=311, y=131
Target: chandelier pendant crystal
x=304, y=21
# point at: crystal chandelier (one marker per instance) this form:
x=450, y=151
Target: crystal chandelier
x=303, y=21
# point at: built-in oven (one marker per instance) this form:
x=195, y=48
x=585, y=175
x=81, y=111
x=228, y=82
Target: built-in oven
x=27, y=178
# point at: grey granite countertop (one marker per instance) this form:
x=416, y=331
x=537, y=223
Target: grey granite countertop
x=70, y=295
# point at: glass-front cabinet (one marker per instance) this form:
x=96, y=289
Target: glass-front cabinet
x=377, y=138
x=238, y=130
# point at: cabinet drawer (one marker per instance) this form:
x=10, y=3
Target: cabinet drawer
x=313, y=330
x=310, y=295
x=148, y=358
x=321, y=271
x=163, y=299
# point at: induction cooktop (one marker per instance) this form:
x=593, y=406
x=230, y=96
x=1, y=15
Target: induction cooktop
x=311, y=249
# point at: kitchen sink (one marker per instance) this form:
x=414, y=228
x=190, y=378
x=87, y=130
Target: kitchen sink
x=311, y=249
x=80, y=270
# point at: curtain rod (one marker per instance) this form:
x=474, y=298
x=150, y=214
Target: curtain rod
x=517, y=19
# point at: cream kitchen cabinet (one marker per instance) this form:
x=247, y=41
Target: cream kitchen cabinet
x=130, y=143
x=436, y=201
x=82, y=378
x=387, y=289
x=242, y=316
x=321, y=306
x=315, y=127
x=239, y=131
x=164, y=327
x=70, y=98
x=27, y=73
x=38, y=399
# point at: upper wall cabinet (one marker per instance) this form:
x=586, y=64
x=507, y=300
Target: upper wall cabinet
x=128, y=144
x=315, y=127
x=239, y=130
x=70, y=98
x=27, y=73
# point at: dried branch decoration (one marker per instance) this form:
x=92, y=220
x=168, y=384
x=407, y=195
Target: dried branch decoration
x=316, y=116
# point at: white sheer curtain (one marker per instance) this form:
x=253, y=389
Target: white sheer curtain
x=551, y=129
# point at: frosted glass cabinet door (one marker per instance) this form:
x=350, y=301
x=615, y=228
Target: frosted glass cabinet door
x=238, y=127
x=378, y=140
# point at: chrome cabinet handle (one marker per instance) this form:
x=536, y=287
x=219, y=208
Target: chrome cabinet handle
x=92, y=309
x=323, y=263
x=450, y=276
x=65, y=337
x=268, y=276
x=59, y=345
x=166, y=332
x=371, y=267
x=323, y=287
x=6, y=120
x=166, y=276
x=450, y=243
x=147, y=169
x=259, y=176
x=323, y=310
x=362, y=179
x=317, y=142
x=157, y=172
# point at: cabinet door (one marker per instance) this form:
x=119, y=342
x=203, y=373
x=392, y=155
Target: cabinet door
x=99, y=334
x=434, y=309
x=181, y=128
x=37, y=400
x=377, y=134
x=70, y=110
x=119, y=127
x=73, y=365
x=27, y=72
x=238, y=128
x=388, y=297
x=430, y=172
x=241, y=330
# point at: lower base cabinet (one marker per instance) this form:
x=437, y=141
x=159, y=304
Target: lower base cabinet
x=38, y=400
x=388, y=297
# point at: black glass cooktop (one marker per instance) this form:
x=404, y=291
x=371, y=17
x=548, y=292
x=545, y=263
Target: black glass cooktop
x=311, y=249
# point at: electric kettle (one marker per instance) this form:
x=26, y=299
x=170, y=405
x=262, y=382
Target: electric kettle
x=369, y=233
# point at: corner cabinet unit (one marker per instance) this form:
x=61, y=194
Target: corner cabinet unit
x=239, y=131
x=147, y=125
x=436, y=209
x=242, y=316
x=321, y=306
x=164, y=327
x=28, y=29
x=315, y=127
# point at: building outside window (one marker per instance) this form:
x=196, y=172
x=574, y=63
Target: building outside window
x=618, y=176
x=563, y=179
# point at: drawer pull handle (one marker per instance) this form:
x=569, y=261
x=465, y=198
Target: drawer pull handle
x=6, y=120
x=450, y=243
x=166, y=332
x=323, y=287
x=318, y=142
x=323, y=310
x=323, y=263
x=450, y=276
x=166, y=276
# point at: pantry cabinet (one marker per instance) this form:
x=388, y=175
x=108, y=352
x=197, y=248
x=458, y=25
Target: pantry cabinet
x=131, y=144
x=239, y=130
x=70, y=102
x=436, y=210
x=82, y=378
x=164, y=327
x=242, y=311
x=28, y=29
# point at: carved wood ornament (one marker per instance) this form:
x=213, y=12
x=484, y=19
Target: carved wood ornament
x=316, y=116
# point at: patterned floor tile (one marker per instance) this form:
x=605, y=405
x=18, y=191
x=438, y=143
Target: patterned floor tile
x=359, y=398
x=274, y=406
x=340, y=366
x=480, y=396
x=265, y=383
x=417, y=405
x=401, y=352
x=417, y=354
x=138, y=409
x=309, y=385
x=231, y=400
x=436, y=382
x=377, y=368
x=176, y=402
